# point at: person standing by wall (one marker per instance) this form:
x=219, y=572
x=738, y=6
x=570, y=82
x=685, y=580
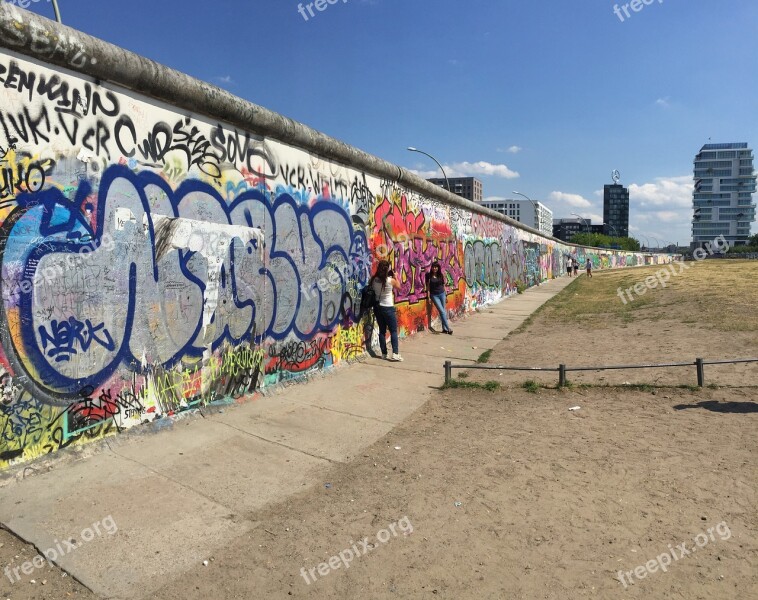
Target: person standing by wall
x=575, y=262
x=435, y=288
x=383, y=283
x=588, y=266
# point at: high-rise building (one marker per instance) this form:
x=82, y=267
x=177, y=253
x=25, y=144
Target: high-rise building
x=722, y=200
x=616, y=210
x=469, y=188
x=535, y=215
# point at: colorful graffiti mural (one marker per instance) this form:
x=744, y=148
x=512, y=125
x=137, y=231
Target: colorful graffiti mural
x=152, y=261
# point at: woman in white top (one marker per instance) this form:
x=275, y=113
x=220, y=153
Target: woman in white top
x=383, y=282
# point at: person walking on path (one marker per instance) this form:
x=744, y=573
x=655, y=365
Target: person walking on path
x=383, y=283
x=569, y=265
x=435, y=287
x=576, y=266
x=589, y=267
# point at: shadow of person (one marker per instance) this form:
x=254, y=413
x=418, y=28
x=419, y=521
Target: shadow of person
x=368, y=333
x=722, y=407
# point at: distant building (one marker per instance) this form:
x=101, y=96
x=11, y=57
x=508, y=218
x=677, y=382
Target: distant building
x=722, y=200
x=469, y=188
x=565, y=229
x=537, y=215
x=616, y=210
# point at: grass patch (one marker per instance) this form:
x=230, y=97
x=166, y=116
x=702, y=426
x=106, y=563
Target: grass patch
x=642, y=387
x=463, y=375
x=484, y=356
x=714, y=294
x=531, y=386
x=691, y=388
x=490, y=386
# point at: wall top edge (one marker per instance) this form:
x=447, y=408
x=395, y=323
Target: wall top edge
x=37, y=37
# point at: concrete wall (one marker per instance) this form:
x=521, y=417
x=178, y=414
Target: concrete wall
x=158, y=257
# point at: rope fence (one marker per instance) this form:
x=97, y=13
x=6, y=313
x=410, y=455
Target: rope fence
x=699, y=365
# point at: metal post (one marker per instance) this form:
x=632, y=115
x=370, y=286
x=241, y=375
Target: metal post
x=562, y=375
x=700, y=372
x=57, y=12
x=448, y=371
x=412, y=149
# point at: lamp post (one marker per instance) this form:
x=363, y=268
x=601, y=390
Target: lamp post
x=536, y=210
x=647, y=241
x=583, y=219
x=447, y=183
x=660, y=244
x=57, y=12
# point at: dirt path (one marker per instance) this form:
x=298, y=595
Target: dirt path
x=512, y=495
x=509, y=494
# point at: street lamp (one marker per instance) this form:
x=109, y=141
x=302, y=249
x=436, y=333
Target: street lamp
x=583, y=219
x=536, y=210
x=647, y=241
x=412, y=149
x=57, y=12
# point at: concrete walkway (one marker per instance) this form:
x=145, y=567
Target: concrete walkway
x=179, y=494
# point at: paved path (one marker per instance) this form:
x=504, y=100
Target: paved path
x=178, y=494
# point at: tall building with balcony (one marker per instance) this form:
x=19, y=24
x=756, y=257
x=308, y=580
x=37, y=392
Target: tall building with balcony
x=616, y=210
x=722, y=200
x=469, y=188
x=537, y=215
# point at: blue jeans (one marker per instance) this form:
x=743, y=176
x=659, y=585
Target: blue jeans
x=387, y=318
x=439, y=301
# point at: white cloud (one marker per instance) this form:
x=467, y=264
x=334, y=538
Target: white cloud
x=470, y=169
x=570, y=199
x=426, y=174
x=482, y=167
x=667, y=216
x=512, y=149
x=227, y=79
x=664, y=191
x=662, y=208
x=663, y=102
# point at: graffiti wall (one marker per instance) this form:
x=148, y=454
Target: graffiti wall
x=154, y=261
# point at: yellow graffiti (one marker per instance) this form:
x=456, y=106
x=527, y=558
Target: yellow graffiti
x=347, y=343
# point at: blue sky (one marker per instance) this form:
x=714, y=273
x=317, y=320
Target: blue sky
x=546, y=98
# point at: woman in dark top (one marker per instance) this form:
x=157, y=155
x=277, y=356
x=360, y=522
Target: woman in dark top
x=435, y=287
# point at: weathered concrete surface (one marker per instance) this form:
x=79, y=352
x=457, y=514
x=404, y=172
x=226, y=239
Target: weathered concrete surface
x=207, y=477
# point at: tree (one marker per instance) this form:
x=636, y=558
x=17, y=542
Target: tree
x=599, y=240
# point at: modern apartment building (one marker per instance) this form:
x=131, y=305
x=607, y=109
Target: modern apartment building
x=616, y=210
x=535, y=215
x=469, y=188
x=722, y=200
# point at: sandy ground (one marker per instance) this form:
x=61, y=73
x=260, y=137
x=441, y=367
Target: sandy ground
x=509, y=494
x=553, y=503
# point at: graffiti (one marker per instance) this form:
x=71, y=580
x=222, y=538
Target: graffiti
x=178, y=298
x=483, y=264
x=65, y=335
x=154, y=261
x=414, y=243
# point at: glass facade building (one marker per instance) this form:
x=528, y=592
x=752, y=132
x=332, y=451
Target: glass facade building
x=722, y=199
x=616, y=210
